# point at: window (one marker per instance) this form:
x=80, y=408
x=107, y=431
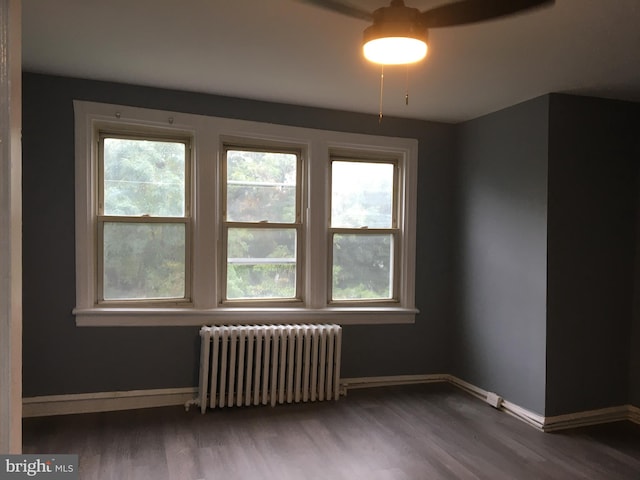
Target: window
x=143, y=218
x=262, y=224
x=189, y=220
x=363, y=230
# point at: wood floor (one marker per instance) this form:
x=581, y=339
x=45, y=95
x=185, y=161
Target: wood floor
x=396, y=433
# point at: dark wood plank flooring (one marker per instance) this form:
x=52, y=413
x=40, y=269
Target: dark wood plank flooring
x=394, y=433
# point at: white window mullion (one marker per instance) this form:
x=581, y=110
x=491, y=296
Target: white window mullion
x=206, y=196
x=86, y=151
x=408, y=184
x=318, y=222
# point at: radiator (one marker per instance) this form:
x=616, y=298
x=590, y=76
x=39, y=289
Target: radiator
x=268, y=364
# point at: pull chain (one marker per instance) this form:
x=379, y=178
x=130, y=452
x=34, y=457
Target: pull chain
x=381, y=92
x=406, y=91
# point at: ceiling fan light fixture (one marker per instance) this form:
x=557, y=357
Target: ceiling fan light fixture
x=397, y=36
x=395, y=50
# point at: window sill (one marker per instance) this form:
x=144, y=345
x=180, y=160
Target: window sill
x=173, y=317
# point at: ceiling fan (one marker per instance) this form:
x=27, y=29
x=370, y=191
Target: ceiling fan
x=398, y=34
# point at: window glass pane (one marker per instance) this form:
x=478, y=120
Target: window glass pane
x=362, y=267
x=261, y=186
x=144, y=261
x=261, y=263
x=361, y=194
x=144, y=177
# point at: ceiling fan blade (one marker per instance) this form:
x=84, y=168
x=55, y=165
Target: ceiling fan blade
x=472, y=11
x=341, y=7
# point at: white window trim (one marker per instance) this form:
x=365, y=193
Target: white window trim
x=298, y=225
x=394, y=229
x=109, y=130
x=208, y=135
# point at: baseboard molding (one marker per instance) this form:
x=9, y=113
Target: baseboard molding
x=634, y=414
x=522, y=414
x=587, y=418
x=128, y=400
x=554, y=423
x=533, y=419
x=527, y=416
x=105, y=401
x=540, y=422
x=388, y=381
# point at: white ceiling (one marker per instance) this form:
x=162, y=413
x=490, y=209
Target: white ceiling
x=291, y=52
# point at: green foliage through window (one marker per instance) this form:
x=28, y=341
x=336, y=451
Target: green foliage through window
x=145, y=180
x=362, y=267
x=362, y=199
x=144, y=177
x=361, y=194
x=261, y=263
x=261, y=186
x=144, y=261
x=261, y=190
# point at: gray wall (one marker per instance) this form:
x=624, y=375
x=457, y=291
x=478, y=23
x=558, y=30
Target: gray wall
x=500, y=323
x=60, y=358
x=544, y=191
x=547, y=253
x=593, y=159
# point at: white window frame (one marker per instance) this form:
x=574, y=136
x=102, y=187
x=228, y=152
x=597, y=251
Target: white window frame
x=107, y=130
x=209, y=135
x=392, y=230
x=298, y=225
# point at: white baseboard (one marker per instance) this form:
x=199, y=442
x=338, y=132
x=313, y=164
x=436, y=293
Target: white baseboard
x=370, y=382
x=540, y=422
x=468, y=387
x=527, y=416
x=634, y=414
x=127, y=400
x=521, y=413
x=586, y=418
x=105, y=401
x=559, y=422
